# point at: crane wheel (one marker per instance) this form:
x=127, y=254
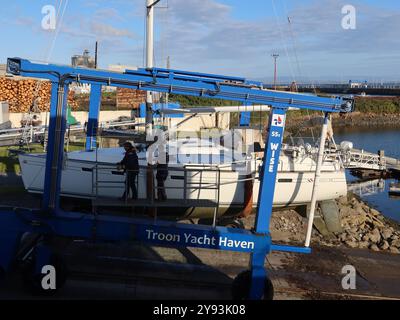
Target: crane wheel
x=242, y=283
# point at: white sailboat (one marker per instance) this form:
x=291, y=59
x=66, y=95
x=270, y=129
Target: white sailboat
x=196, y=172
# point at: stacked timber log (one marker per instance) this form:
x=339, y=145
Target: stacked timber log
x=129, y=98
x=21, y=94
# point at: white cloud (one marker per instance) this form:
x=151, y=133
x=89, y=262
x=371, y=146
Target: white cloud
x=103, y=30
x=108, y=14
x=204, y=35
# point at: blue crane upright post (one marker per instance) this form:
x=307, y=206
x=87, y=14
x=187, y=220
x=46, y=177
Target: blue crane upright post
x=51, y=221
x=55, y=146
x=94, y=112
x=273, y=143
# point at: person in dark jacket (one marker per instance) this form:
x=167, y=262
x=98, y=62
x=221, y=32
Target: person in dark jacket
x=162, y=175
x=130, y=163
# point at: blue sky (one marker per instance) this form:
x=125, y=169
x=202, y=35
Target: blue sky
x=234, y=37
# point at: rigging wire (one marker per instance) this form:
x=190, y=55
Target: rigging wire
x=163, y=37
x=295, y=49
x=284, y=44
x=299, y=69
x=47, y=54
x=144, y=37
x=49, y=51
x=60, y=22
x=163, y=27
x=167, y=29
x=294, y=44
x=283, y=41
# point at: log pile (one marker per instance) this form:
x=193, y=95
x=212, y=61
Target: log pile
x=129, y=98
x=21, y=94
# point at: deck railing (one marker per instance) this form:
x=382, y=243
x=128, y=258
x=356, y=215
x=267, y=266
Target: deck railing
x=192, y=177
x=188, y=186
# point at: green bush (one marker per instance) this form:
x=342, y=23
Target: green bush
x=188, y=101
x=378, y=105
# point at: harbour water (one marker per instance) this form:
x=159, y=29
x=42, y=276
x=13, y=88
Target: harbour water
x=374, y=139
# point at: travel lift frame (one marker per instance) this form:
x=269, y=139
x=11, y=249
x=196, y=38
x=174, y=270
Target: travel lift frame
x=51, y=222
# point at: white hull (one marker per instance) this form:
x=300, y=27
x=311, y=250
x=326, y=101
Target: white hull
x=293, y=188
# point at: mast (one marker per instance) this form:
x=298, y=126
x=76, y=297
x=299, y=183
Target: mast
x=275, y=56
x=149, y=96
x=149, y=60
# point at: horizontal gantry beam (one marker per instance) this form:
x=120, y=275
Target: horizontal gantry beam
x=181, y=82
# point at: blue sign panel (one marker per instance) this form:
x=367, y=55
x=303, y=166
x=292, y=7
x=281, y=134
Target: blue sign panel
x=219, y=238
x=245, y=118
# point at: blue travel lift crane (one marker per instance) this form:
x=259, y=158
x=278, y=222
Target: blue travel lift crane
x=52, y=223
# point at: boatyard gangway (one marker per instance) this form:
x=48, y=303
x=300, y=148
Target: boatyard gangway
x=51, y=222
x=367, y=164
x=360, y=159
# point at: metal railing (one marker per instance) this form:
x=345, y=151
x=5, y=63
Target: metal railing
x=188, y=173
x=194, y=177
x=354, y=159
x=96, y=183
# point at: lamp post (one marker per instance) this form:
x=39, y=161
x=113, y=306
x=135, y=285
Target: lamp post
x=275, y=56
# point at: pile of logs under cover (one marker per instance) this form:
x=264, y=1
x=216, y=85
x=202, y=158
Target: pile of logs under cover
x=21, y=94
x=130, y=98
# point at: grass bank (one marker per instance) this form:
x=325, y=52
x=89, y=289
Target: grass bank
x=9, y=156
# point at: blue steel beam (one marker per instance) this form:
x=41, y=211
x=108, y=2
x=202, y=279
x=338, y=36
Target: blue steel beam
x=55, y=146
x=15, y=222
x=204, y=85
x=94, y=111
x=188, y=75
x=114, y=228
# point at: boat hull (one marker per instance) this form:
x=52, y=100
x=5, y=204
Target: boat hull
x=80, y=179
